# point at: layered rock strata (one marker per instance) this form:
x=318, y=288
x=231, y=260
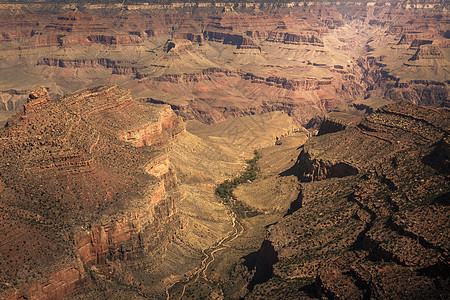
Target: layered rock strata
x=82, y=184
x=302, y=34
x=133, y=48
x=378, y=229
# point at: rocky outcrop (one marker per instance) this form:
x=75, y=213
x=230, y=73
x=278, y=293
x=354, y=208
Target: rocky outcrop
x=240, y=40
x=56, y=286
x=422, y=92
x=36, y=100
x=118, y=67
x=413, y=38
x=427, y=52
x=306, y=37
x=168, y=126
x=311, y=169
x=178, y=46
x=90, y=196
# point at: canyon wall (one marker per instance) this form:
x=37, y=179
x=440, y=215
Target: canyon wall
x=77, y=194
x=377, y=229
x=298, y=59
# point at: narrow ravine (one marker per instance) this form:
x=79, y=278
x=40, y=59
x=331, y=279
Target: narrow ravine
x=237, y=210
x=208, y=254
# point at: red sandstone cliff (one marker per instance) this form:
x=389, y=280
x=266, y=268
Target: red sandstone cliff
x=75, y=195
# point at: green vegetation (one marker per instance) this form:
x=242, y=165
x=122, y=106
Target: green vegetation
x=225, y=189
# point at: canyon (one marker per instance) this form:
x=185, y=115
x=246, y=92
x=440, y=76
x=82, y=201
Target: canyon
x=211, y=64
x=119, y=121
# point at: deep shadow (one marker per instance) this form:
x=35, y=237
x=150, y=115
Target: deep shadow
x=361, y=284
x=310, y=290
x=170, y=46
x=394, y=162
x=295, y=205
x=359, y=242
x=341, y=170
x=289, y=172
x=439, y=269
x=250, y=260
x=303, y=168
x=439, y=158
x=443, y=200
x=390, y=184
x=393, y=204
x=262, y=262
x=329, y=126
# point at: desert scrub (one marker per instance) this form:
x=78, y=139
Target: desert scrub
x=225, y=189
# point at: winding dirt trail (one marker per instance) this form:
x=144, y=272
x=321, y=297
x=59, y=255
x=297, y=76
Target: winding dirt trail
x=238, y=229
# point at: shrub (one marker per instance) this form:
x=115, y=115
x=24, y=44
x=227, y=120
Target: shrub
x=225, y=189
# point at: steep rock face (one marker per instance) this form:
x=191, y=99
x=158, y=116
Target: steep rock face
x=166, y=128
x=75, y=195
x=65, y=30
x=118, y=67
x=58, y=285
x=279, y=26
x=306, y=37
x=301, y=98
x=75, y=27
x=36, y=100
x=289, y=84
x=230, y=39
x=311, y=169
x=330, y=125
x=383, y=232
x=412, y=38
x=76, y=21
x=238, y=29
x=131, y=235
x=427, y=52
x=422, y=92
